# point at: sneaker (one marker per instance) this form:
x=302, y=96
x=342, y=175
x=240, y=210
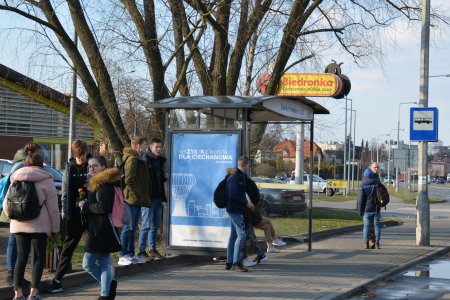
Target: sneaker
x=238, y=268
x=37, y=297
x=260, y=259
x=144, y=256
x=137, y=260
x=220, y=258
x=154, y=254
x=273, y=250
x=248, y=262
x=278, y=242
x=124, y=261
x=53, y=287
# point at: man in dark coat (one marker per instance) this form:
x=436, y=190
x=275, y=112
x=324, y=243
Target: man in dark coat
x=367, y=206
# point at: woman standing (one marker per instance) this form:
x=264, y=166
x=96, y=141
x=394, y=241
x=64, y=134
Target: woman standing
x=34, y=232
x=102, y=239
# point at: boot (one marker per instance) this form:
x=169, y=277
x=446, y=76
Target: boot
x=367, y=245
x=113, y=289
x=378, y=245
x=228, y=266
x=237, y=267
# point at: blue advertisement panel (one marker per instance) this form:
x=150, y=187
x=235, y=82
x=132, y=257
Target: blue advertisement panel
x=199, y=163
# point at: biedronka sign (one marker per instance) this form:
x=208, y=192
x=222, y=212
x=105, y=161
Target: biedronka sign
x=310, y=84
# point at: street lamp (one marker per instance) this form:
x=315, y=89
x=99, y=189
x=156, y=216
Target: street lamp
x=389, y=155
x=378, y=148
x=445, y=75
x=398, y=140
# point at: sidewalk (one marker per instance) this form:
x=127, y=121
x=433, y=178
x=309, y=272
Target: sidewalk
x=335, y=268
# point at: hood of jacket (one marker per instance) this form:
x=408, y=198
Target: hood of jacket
x=106, y=176
x=232, y=171
x=19, y=156
x=33, y=174
x=370, y=177
x=127, y=152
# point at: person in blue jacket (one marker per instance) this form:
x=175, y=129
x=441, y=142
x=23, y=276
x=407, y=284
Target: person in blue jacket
x=367, y=206
x=236, y=203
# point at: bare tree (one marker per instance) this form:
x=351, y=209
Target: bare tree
x=192, y=47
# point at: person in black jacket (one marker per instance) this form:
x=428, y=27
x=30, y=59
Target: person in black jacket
x=102, y=239
x=151, y=216
x=237, y=201
x=367, y=206
x=73, y=187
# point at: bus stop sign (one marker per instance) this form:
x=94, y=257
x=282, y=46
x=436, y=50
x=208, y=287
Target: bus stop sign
x=423, y=124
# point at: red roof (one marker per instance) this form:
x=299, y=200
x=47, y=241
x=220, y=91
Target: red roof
x=288, y=148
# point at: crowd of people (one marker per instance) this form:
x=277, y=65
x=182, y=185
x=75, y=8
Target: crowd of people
x=87, y=198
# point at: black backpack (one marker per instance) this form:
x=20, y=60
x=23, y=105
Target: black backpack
x=221, y=194
x=22, y=200
x=122, y=174
x=381, y=195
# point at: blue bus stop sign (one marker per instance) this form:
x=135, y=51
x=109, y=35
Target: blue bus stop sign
x=423, y=124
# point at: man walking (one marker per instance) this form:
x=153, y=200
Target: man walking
x=151, y=216
x=236, y=203
x=137, y=194
x=367, y=205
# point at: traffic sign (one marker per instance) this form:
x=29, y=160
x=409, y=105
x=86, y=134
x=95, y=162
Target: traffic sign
x=423, y=124
x=337, y=184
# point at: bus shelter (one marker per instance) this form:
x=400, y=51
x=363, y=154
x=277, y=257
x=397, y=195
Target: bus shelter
x=205, y=135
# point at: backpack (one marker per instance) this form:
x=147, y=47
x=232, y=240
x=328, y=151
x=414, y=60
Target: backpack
x=122, y=174
x=221, y=194
x=381, y=195
x=121, y=214
x=22, y=201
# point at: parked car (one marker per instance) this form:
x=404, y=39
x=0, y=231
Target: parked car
x=440, y=180
x=6, y=166
x=280, y=201
x=319, y=184
x=281, y=176
x=388, y=180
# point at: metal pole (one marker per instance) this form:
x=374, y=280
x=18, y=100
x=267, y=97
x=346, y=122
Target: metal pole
x=349, y=145
x=311, y=164
x=73, y=112
x=397, y=173
x=345, y=147
x=353, y=159
x=299, y=154
x=423, y=206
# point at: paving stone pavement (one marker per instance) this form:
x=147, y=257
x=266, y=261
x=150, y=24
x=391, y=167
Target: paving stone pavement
x=335, y=268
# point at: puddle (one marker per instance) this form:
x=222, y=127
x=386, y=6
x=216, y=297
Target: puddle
x=429, y=280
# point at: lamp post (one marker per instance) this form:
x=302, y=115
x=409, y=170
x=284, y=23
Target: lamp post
x=345, y=145
x=398, y=141
x=389, y=155
x=444, y=75
x=378, y=148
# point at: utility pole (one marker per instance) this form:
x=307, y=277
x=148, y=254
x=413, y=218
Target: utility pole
x=422, y=204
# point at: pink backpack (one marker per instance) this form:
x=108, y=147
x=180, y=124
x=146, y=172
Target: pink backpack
x=121, y=214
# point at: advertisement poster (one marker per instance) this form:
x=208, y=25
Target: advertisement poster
x=199, y=163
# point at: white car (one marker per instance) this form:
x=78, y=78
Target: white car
x=319, y=184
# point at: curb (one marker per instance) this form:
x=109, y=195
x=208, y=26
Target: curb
x=388, y=274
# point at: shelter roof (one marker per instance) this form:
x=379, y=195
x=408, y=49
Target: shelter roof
x=226, y=106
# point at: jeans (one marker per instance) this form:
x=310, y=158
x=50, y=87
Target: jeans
x=237, y=238
x=150, y=221
x=369, y=218
x=11, y=253
x=100, y=267
x=24, y=243
x=128, y=231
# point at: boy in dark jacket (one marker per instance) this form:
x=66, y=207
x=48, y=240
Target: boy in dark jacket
x=237, y=201
x=367, y=206
x=151, y=216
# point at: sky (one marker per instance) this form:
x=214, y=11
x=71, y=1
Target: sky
x=376, y=90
